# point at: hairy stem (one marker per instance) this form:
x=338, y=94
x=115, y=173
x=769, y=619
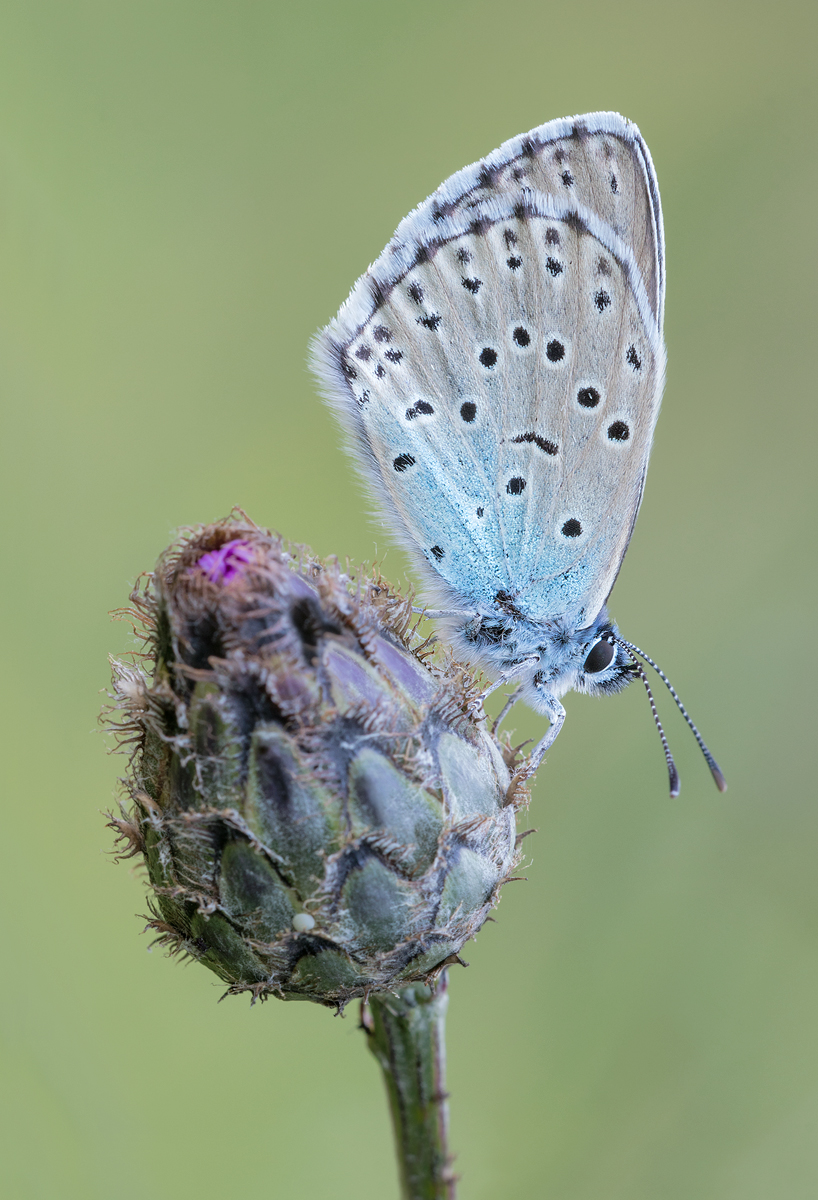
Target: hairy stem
x=406, y=1033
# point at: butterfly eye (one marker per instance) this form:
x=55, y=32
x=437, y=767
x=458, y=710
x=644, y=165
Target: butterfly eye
x=600, y=657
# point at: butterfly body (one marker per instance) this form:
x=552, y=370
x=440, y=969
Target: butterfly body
x=499, y=371
x=545, y=659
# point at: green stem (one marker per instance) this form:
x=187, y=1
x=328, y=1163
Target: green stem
x=405, y=1032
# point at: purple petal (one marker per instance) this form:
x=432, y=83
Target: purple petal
x=224, y=564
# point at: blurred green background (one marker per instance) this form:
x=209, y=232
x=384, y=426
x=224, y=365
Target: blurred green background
x=187, y=191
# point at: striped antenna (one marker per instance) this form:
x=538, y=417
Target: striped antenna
x=715, y=769
x=640, y=670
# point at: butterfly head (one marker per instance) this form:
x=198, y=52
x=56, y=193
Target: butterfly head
x=589, y=660
x=606, y=667
x=552, y=657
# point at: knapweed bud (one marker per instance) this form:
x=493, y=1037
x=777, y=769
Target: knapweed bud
x=321, y=808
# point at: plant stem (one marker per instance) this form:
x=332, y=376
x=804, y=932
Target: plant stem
x=406, y=1033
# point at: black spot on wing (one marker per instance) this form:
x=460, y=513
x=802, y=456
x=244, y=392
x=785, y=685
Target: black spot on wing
x=472, y=284
x=415, y=292
x=588, y=397
x=468, y=411
x=422, y=408
x=542, y=443
x=553, y=266
x=514, y=262
x=633, y=358
x=402, y=462
x=516, y=486
x=437, y=552
x=488, y=357
x=430, y=322
x=382, y=334
x=521, y=336
x=555, y=351
x=618, y=431
x=602, y=299
x=572, y=528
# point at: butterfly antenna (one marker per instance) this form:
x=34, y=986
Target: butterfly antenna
x=715, y=769
x=640, y=670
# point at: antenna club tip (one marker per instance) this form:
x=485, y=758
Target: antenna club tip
x=721, y=782
x=675, y=786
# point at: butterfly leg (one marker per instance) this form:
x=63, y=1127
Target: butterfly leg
x=435, y=613
x=556, y=715
x=506, y=709
x=510, y=674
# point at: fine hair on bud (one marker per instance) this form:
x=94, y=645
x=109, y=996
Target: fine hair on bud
x=321, y=808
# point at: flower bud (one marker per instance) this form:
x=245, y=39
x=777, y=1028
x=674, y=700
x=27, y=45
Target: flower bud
x=321, y=809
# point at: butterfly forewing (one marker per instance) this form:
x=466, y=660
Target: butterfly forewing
x=602, y=163
x=501, y=364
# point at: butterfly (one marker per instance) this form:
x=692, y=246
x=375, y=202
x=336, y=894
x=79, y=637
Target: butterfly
x=499, y=371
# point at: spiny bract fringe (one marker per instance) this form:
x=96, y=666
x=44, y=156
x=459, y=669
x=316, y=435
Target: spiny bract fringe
x=321, y=809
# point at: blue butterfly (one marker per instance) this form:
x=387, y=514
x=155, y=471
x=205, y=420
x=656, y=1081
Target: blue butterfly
x=499, y=371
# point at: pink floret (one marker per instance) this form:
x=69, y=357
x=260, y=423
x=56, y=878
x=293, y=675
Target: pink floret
x=224, y=564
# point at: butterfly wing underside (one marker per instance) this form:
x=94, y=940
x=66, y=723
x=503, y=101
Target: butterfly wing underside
x=500, y=368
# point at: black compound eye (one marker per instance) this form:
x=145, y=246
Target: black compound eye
x=600, y=656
